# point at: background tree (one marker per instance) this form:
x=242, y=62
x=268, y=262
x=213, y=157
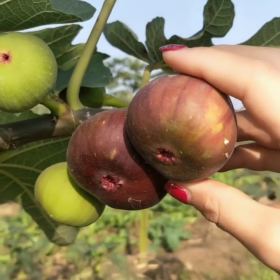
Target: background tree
x=127, y=76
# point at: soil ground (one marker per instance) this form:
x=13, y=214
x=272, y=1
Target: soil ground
x=210, y=254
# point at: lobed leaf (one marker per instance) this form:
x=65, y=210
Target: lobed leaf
x=60, y=40
x=218, y=20
x=120, y=36
x=19, y=170
x=155, y=38
x=10, y=118
x=97, y=75
x=81, y=9
x=267, y=36
x=18, y=15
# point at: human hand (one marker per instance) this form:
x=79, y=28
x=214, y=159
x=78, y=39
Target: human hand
x=252, y=75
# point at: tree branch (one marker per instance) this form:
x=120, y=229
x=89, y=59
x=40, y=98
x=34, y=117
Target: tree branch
x=14, y=135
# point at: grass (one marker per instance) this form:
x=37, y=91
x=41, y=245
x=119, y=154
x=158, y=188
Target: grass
x=25, y=253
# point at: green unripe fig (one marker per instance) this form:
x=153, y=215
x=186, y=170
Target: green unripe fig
x=89, y=97
x=28, y=71
x=63, y=200
x=92, y=97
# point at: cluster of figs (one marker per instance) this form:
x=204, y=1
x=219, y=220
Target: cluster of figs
x=177, y=127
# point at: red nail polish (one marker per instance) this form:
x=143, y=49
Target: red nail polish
x=173, y=47
x=177, y=192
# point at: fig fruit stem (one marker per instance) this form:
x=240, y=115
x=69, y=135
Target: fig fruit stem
x=57, y=107
x=144, y=218
x=84, y=60
x=114, y=102
x=147, y=74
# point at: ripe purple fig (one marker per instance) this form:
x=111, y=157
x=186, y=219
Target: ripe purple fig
x=182, y=126
x=103, y=162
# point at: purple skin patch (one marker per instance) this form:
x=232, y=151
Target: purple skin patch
x=165, y=156
x=111, y=184
x=5, y=58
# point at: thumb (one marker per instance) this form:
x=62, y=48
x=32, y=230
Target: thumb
x=231, y=210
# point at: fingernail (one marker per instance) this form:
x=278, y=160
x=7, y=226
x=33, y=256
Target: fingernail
x=178, y=192
x=173, y=47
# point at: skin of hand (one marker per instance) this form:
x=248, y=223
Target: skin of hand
x=251, y=75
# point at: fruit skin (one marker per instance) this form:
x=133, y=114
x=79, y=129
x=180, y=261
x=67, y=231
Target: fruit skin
x=103, y=162
x=28, y=71
x=90, y=97
x=63, y=200
x=182, y=126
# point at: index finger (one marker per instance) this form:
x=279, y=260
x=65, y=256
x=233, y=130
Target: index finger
x=254, y=82
x=267, y=54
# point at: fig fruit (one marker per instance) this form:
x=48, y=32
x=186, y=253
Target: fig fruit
x=103, y=161
x=63, y=200
x=182, y=126
x=28, y=71
x=90, y=97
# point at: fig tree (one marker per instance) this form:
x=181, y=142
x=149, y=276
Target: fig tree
x=28, y=71
x=63, y=200
x=182, y=126
x=103, y=161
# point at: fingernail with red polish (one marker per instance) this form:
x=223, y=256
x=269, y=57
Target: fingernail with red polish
x=177, y=192
x=173, y=47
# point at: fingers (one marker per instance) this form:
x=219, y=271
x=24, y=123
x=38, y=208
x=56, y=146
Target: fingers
x=255, y=83
x=254, y=157
x=249, y=129
x=267, y=54
x=255, y=225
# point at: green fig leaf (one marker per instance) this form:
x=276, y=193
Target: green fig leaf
x=218, y=17
x=19, y=15
x=267, y=36
x=103, y=55
x=97, y=75
x=120, y=36
x=10, y=118
x=218, y=20
x=155, y=38
x=19, y=170
x=60, y=41
x=81, y=9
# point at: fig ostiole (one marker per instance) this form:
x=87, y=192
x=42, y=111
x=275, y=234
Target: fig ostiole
x=103, y=161
x=28, y=71
x=63, y=200
x=182, y=126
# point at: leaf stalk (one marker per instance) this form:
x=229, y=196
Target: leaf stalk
x=84, y=60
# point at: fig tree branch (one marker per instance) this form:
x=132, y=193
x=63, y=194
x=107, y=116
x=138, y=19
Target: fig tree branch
x=17, y=134
x=84, y=60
